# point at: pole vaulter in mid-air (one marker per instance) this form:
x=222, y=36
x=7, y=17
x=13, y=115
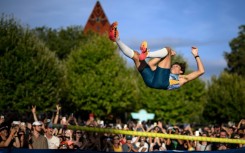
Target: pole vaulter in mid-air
x=158, y=73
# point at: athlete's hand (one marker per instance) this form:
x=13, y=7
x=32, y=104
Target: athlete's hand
x=194, y=51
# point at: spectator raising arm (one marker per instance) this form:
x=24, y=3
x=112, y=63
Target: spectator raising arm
x=33, y=110
x=58, y=108
x=13, y=135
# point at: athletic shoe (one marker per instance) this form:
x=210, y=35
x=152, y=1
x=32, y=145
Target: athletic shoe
x=113, y=32
x=144, y=51
x=143, y=47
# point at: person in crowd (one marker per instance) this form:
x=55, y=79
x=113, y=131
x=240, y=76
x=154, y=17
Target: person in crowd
x=221, y=146
x=24, y=135
x=216, y=130
x=81, y=140
x=9, y=139
x=141, y=144
x=241, y=124
x=203, y=145
x=129, y=146
x=230, y=130
x=38, y=141
x=116, y=146
x=233, y=145
x=188, y=144
x=91, y=121
x=106, y=142
x=174, y=144
x=77, y=139
x=53, y=141
x=66, y=136
x=157, y=144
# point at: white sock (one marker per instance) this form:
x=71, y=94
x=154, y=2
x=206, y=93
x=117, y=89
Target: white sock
x=158, y=53
x=125, y=49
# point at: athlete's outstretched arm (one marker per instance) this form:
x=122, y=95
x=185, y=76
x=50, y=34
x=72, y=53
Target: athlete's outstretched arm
x=200, y=68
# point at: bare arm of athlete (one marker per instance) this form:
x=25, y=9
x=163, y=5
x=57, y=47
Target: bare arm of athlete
x=193, y=75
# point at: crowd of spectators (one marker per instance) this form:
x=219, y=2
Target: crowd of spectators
x=41, y=134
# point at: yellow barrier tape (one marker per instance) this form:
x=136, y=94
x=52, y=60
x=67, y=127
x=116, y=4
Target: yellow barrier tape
x=150, y=134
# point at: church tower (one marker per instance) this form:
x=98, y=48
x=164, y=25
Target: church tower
x=97, y=21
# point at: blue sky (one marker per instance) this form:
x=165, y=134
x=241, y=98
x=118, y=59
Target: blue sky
x=208, y=24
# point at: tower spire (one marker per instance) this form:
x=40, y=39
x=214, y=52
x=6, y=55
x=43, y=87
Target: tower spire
x=97, y=21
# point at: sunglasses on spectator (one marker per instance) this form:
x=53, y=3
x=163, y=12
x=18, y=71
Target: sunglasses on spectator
x=78, y=132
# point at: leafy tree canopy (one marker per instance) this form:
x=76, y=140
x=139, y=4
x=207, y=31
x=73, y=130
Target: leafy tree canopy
x=61, y=41
x=225, y=100
x=99, y=81
x=235, y=59
x=29, y=73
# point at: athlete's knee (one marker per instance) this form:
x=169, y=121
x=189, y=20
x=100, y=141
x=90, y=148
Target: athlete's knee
x=136, y=56
x=168, y=49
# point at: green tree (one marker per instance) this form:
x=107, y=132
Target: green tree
x=98, y=79
x=225, y=100
x=235, y=59
x=29, y=73
x=61, y=41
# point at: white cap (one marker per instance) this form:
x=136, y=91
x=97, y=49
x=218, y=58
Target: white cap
x=16, y=122
x=37, y=123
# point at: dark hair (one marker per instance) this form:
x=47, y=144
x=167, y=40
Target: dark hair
x=182, y=66
x=116, y=136
x=206, y=132
x=156, y=147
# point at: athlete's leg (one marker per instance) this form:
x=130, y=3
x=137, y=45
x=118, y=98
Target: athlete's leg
x=153, y=63
x=140, y=65
x=114, y=36
x=125, y=49
x=158, y=53
x=146, y=53
x=166, y=62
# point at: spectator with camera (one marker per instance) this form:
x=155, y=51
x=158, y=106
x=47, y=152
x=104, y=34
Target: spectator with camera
x=9, y=139
x=204, y=145
x=141, y=144
x=174, y=144
x=24, y=134
x=129, y=146
x=189, y=144
x=157, y=144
